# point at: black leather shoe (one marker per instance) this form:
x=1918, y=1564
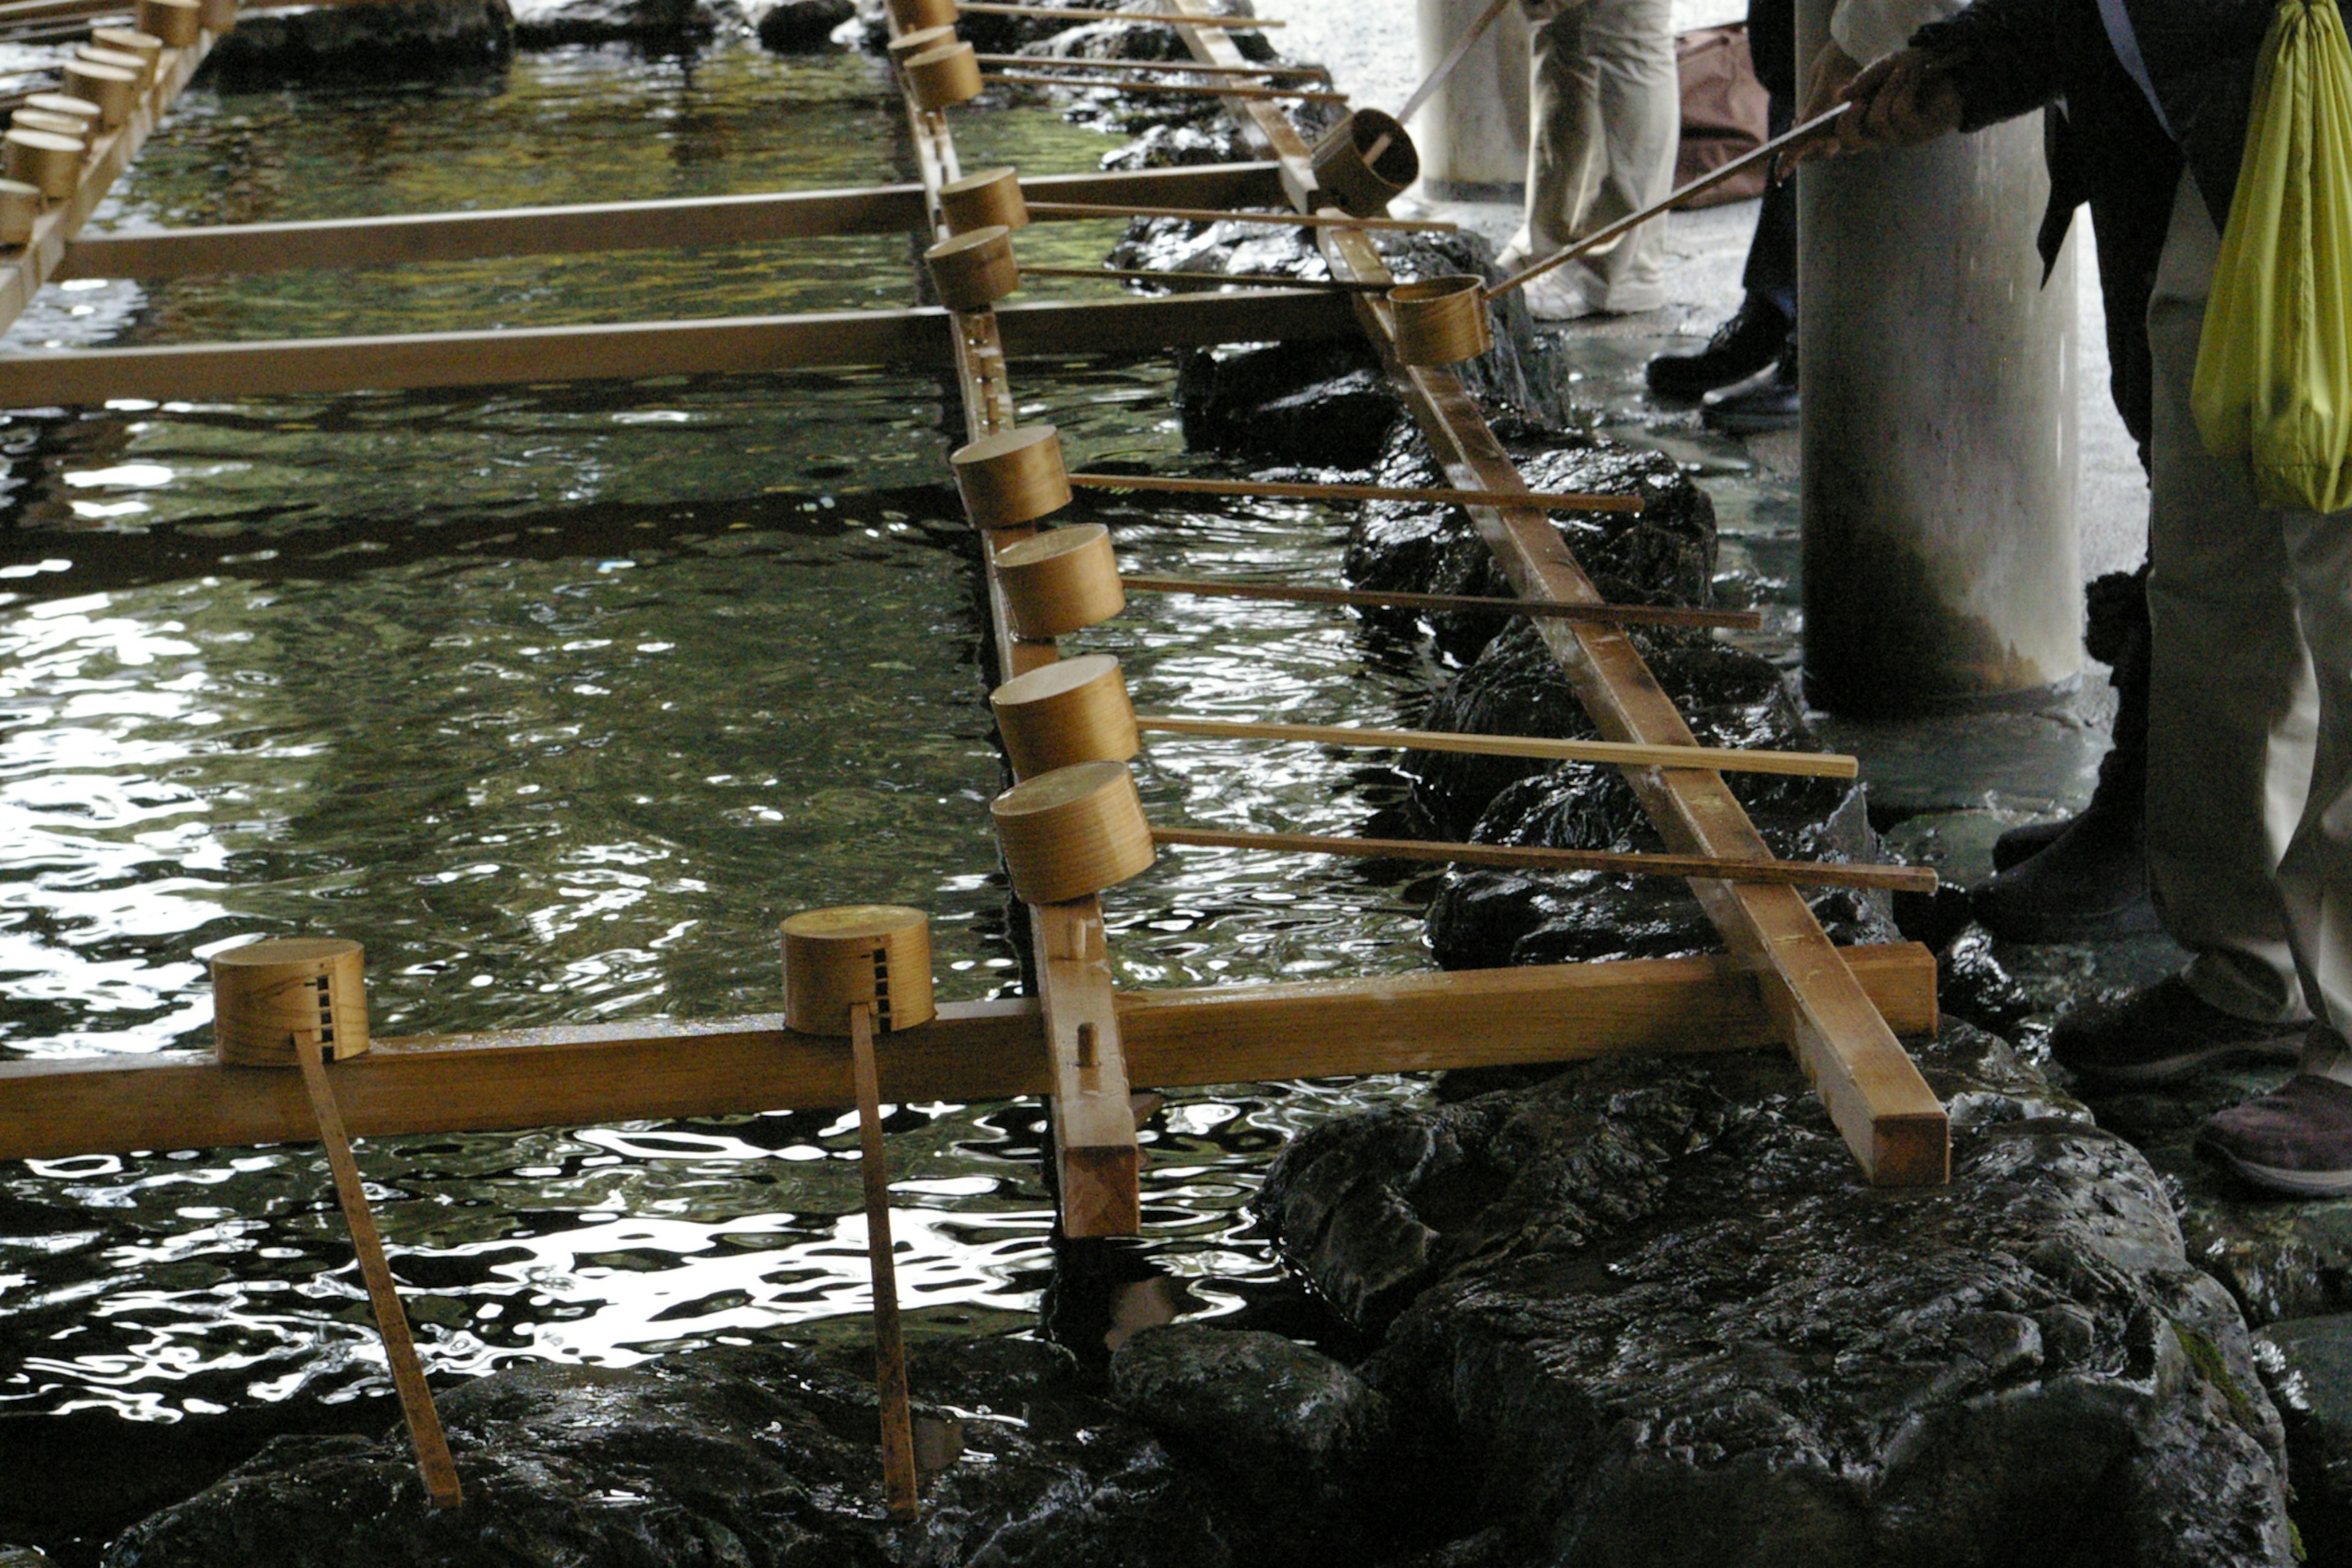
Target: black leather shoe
x=1766, y=403
x=1743, y=345
x=2019, y=845
x=2163, y=1034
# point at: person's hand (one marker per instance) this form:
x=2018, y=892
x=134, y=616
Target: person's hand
x=1833, y=71
x=1900, y=100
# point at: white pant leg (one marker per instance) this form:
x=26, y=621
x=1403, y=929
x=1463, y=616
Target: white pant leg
x=2233, y=712
x=1606, y=99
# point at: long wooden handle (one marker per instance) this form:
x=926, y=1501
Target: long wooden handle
x=1601, y=238
x=1045, y=79
x=1060, y=13
x=899, y=1481
x=1148, y=67
x=1213, y=214
x=1294, y=489
x=425, y=1434
x=1598, y=614
x=1445, y=68
x=1622, y=754
x=1783, y=873
x=1245, y=279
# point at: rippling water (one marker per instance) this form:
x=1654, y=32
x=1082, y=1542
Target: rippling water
x=557, y=697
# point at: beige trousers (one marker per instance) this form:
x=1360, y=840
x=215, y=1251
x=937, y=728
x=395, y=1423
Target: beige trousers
x=2250, y=735
x=1605, y=108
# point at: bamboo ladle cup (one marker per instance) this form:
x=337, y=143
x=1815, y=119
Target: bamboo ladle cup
x=302, y=1001
x=859, y=969
x=1368, y=160
x=1444, y=320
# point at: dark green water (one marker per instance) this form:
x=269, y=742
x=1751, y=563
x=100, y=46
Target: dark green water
x=557, y=697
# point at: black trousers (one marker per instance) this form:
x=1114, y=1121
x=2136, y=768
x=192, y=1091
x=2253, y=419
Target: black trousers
x=1771, y=268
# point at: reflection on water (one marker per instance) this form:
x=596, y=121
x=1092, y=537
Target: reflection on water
x=557, y=698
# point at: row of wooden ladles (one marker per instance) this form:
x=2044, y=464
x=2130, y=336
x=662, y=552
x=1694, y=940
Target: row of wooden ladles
x=53, y=135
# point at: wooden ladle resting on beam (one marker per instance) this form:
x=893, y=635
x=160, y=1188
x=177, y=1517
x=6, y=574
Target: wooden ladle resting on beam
x=1779, y=873
x=1077, y=710
x=297, y=1002
x=1444, y=320
x=861, y=970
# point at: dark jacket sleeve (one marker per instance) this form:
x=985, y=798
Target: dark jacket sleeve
x=2005, y=56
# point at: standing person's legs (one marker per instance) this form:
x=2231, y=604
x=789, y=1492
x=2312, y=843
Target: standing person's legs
x=1757, y=335
x=1605, y=103
x=2234, y=710
x=1632, y=45
x=2232, y=719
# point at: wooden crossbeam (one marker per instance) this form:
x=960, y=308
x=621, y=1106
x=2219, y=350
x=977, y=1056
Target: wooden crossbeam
x=586, y=1075
x=1883, y=1107
x=750, y=219
x=720, y=345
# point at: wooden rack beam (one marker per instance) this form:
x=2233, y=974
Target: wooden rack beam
x=1724, y=759
x=588, y=1075
x=1298, y=489
x=1883, y=1107
x=1096, y=1160
x=722, y=346
x=750, y=219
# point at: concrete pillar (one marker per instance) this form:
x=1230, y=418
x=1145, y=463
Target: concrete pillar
x=1938, y=452
x=1473, y=133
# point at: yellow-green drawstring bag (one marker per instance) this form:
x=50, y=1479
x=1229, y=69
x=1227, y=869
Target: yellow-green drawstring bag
x=2274, y=387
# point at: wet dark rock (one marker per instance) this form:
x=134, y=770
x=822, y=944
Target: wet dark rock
x=1319, y=404
x=388, y=39
x=1664, y=555
x=1293, y=1437
x=1180, y=147
x=2307, y=1365
x=545, y=24
x=729, y=1456
x=799, y=27
x=1484, y=919
x=2281, y=1259
x=1648, y=1313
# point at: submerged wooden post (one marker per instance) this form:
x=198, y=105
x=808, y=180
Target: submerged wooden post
x=302, y=1002
x=855, y=970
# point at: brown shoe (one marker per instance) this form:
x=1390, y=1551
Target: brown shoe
x=2163, y=1034
x=2297, y=1139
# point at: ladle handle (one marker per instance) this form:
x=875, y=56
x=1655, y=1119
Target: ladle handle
x=1445, y=68
x=1601, y=238
x=425, y=1431
x=1783, y=873
x=899, y=1481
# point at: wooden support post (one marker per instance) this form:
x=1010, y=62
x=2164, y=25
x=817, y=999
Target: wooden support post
x=1889, y=1118
x=425, y=1434
x=898, y=1480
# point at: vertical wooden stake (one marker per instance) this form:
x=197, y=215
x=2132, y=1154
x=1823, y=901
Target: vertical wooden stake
x=899, y=1483
x=407, y=1376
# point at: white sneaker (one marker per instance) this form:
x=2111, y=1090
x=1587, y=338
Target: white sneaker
x=1552, y=298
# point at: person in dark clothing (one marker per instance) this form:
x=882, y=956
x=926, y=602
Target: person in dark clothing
x=1762, y=335
x=2248, y=790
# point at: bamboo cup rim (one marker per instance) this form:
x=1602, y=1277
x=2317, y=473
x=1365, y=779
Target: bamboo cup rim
x=65, y=103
